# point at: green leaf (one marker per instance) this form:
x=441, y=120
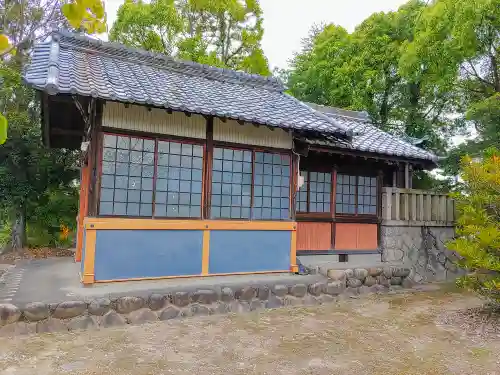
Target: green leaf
x=4, y=43
x=3, y=129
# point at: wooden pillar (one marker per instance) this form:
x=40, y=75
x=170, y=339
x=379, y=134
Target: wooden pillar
x=82, y=210
x=207, y=169
x=407, y=176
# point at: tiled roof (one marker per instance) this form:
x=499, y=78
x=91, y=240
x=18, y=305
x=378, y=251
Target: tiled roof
x=369, y=138
x=74, y=64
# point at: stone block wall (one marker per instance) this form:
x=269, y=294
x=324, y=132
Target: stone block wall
x=422, y=250
x=99, y=313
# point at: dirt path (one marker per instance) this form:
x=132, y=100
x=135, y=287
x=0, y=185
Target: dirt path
x=398, y=334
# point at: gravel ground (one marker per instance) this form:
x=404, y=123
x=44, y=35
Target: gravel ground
x=392, y=334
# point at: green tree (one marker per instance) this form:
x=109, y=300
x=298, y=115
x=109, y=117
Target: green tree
x=360, y=71
x=224, y=33
x=29, y=172
x=17, y=34
x=457, y=47
x=478, y=230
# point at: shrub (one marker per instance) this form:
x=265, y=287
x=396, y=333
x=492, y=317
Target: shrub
x=478, y=226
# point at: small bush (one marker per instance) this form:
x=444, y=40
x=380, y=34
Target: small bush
x=478, y=226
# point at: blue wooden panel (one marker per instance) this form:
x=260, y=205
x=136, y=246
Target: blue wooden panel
x=249, y=251
x=126, y=254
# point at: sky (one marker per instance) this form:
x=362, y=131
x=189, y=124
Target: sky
x=286, y=22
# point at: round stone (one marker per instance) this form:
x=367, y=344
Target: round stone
x=396, y=280
x=370, y=281
x=246, y=293
x=374, y=271
x=336, y=275
x=226, y=294
x=360, y=273
x=280, y=290
x=36, y=311
x=99, y=306
x=387, y=272
x=112, y=319
x=349, y=273
x=400, y=272
x=125, y=305
x=354, y=283
x=205, y=296
x=263, y=293
x=316, y=289
x=335, y=288
x=156, y=301
x=9, y=314
x=169, y=312
x=142, y=316
x=382, y=280
x=298, y=290
x=201, y=310
x=69, y=309
x=180, y=299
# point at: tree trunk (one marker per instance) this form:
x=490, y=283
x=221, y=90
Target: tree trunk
x=19, y=229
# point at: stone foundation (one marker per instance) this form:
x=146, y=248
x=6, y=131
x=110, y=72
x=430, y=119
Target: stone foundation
x=422, y=250
x=99, y=313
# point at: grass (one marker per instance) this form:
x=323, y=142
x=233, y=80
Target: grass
x=398, y=334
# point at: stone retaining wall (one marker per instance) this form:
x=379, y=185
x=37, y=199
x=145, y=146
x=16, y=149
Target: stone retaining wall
x=40, y=317
x=421, y=249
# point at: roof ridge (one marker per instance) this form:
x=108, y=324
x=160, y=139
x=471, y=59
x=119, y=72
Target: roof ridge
x=169, y=62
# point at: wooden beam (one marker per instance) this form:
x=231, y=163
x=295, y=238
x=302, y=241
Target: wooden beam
x=241, y=122
x=188, y=114
x=169, y=111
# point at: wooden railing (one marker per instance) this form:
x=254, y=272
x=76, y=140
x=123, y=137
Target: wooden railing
x=417, y=207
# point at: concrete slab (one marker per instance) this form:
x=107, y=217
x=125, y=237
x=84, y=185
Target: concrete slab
x=55, y=280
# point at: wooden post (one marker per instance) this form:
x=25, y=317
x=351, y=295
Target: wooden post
x=388, y=203
x=407, y=176
x=450, y=211
x=395, y=178
x=442, y=208
x=397, y=204
x=406, y=212
x=421, y=216
x=414, y=207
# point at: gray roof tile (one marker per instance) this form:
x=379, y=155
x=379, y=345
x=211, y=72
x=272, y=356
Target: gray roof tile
x=75, y=64
x=369, y=138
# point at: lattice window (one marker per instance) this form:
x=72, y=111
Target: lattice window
x=127, y=176
x=240, y=177
x=271, y=186
x=356, y=195
x=315, y=194
x=179, y=179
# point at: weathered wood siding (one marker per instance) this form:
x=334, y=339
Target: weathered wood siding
x=248, y=134
x=158, y=121
x=314, y=236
